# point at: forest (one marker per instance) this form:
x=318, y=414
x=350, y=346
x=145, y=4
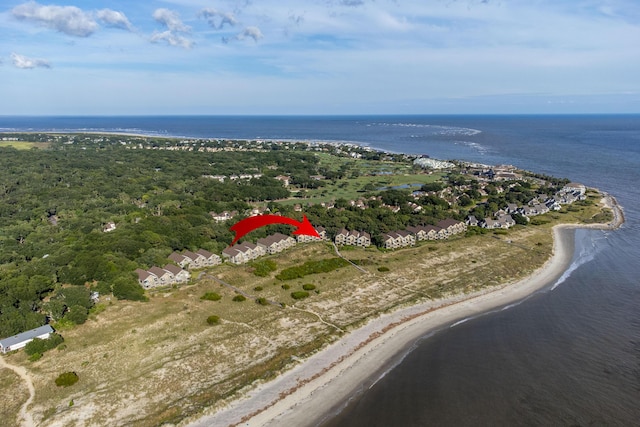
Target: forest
x=56, y=201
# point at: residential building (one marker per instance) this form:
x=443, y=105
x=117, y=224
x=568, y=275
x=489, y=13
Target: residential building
x=146, y=279
x=452, y=226
x=197, y=260
x=163, y=277
x=20, y=340
x=210, y=259
x=305, y=238
x=234, y=255
x=179, y=275
x=179, y=259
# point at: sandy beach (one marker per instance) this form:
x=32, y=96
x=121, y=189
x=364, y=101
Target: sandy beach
x=321, y=385
x=318, y=386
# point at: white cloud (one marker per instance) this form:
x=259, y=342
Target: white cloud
x=175, y=26
x=172, y=39
x=252, y=32
x=217, y=19
x=21, y=61
x=171, y=20
x=249, y=32
x=66, y=19
x=334, y=51
x=114, y=18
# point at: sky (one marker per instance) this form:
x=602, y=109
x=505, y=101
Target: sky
x=319, y=57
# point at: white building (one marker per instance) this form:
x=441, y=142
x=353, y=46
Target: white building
x=18, y=341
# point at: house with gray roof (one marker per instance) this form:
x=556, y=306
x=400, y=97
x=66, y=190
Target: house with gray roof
x=18, y=341
x=178, y=274
x=211, y=259
x=146, y=279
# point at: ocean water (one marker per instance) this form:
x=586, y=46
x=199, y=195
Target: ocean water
x=568, y=355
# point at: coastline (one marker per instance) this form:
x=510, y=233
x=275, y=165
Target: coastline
x=321, y=385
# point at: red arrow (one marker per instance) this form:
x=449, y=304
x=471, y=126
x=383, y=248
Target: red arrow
x=249, y=224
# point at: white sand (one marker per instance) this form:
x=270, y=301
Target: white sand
x=323, y=383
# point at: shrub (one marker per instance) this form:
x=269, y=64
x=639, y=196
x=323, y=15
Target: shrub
x=211, y=296
x=286, y=287
x=308, y=287
x=35, y=357
x=263, y=268
x=40, y=346
x=128, y=289
x=66, y=379
x=311, y=267
x=362, y=262
x=77, y=314
x=299, y=294
x=538, y=221
x=383, y=269
x=239, y=298
x=213, y=320
x=257, y=288
x=262, y=301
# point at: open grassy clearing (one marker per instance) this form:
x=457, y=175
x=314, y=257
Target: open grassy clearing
x=163, y=355
x=11, y=402
x=23, y=145
x=351, y=188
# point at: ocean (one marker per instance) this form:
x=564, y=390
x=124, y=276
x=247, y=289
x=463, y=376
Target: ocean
x=569, y=355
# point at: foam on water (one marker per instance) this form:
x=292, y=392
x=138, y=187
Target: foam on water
x=441, y=130
x=588, y=249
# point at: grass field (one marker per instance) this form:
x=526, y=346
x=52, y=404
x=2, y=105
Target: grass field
x=163, y=355
x=23, y=145
x=363, y=176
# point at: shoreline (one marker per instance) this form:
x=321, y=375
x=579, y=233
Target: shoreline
x=320, y=386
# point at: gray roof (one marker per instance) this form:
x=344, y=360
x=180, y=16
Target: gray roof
x=24, y=336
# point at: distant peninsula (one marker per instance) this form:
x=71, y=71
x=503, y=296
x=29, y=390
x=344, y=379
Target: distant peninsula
x=121, y=245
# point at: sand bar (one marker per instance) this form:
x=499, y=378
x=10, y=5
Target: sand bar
x=320, y=385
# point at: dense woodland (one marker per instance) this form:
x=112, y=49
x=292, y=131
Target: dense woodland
x=54, y=203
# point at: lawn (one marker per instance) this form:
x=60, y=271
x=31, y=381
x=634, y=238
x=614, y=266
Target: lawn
x=363, y=177
x=23, y=145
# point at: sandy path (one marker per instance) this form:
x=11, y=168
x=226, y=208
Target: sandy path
x=25, y=415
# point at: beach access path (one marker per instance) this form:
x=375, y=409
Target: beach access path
x=24, y=415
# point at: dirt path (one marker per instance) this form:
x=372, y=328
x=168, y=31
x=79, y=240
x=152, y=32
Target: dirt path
x=25, y=416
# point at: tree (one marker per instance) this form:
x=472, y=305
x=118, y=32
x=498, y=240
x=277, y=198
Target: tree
x=124, y=288
x=77, y=314
x=39, y=346
x=76, y=296
x=55, y=308
x=519, y=219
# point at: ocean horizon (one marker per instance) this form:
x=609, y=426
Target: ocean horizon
x=569, y=355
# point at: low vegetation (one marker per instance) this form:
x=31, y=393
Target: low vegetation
x=67, y=379
x=38, y=346
x=263, y=268
x=211, y=296
x=299, y=294
x=53, y=253
x=311, y=267
x=213, y=320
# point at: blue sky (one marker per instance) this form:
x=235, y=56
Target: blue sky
x=319, y=57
